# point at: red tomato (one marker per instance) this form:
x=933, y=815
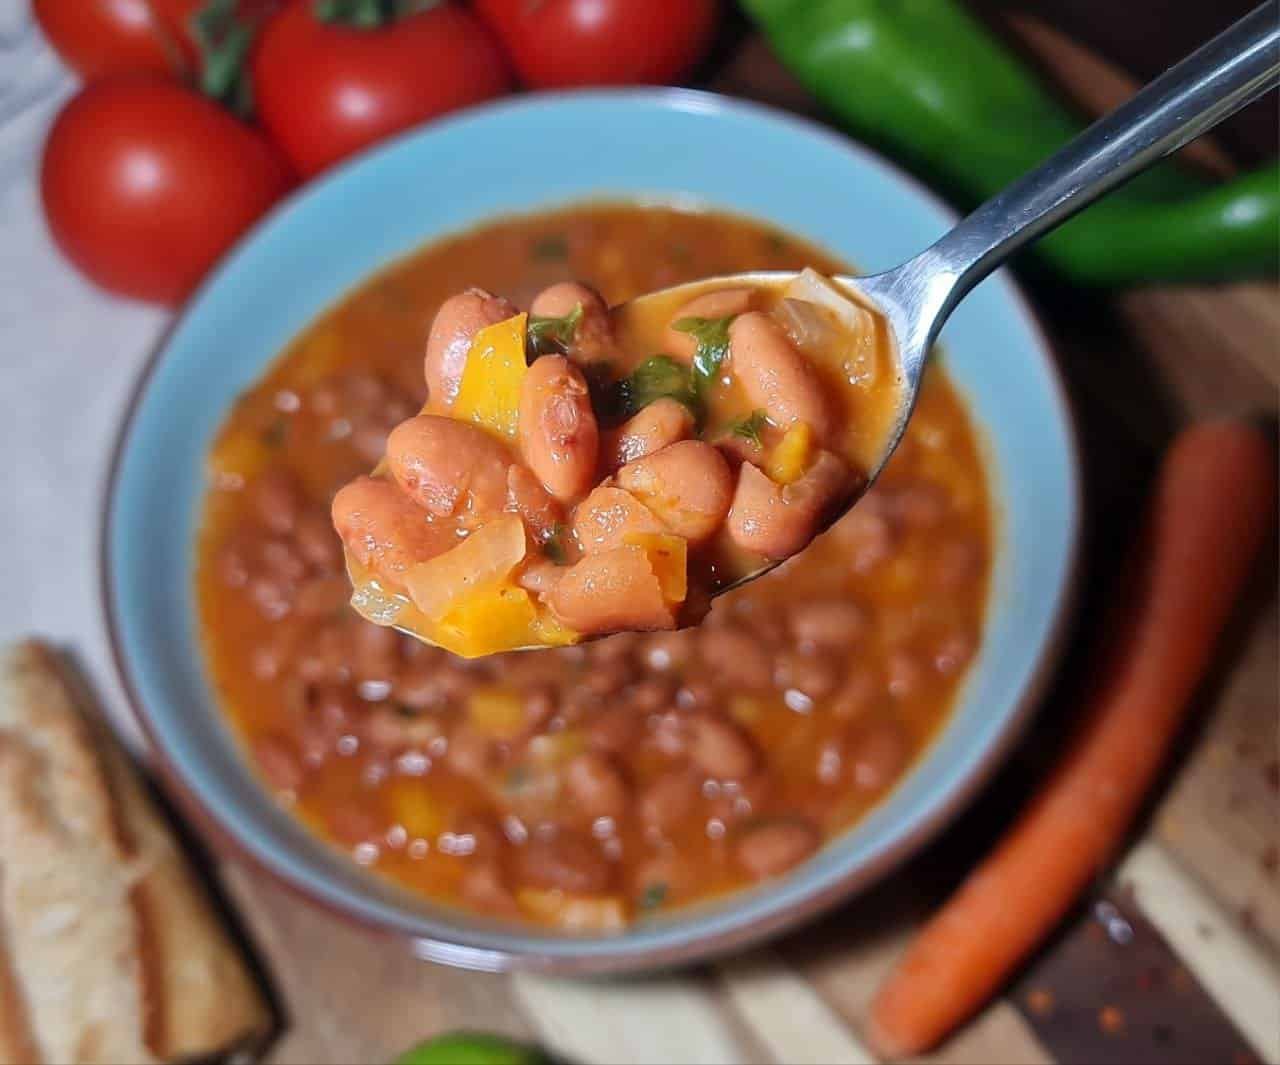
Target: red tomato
x=146, y=184
x=325, y=90
x=102, y=37
x=601, y=42
x=97, y=37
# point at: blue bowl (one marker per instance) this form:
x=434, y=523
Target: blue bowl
x=664, y=145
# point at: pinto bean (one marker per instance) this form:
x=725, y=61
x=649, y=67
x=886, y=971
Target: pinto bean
x=615, y=730
x=559, y=437
x=816, y=676
x=827, y=624
x=384, y=529
x=596, y=786
x=373, y=650
x=771, y=847
x=541, y=512
x=457, y=322
x=777, y=520
x=721, y=304
x=719, y=748
x=322, y=596
x=878, y=752
x=452, y=468
x=776, y=377
x=317, y=542
x=278, y=763
x=687, y=484
x=594, y=335
x=668, y=799
x=605, y=519
x=735, y=654
x=276, y=500
x=664, y=421
x=483, y=888
x=610, y=592
x=469, y=754
x=564, y=861
x=539, y=576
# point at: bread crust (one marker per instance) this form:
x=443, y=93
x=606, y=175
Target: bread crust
x=110, y=949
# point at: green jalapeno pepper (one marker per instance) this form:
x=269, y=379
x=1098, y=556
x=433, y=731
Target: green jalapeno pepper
x=928, y=84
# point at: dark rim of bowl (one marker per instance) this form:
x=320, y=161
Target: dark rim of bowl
x=938, y=811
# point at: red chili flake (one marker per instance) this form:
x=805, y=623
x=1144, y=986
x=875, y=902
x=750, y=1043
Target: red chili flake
x=1111, y=1020
x=1040, y=1001
x=1271, y=773
x=1270, y=860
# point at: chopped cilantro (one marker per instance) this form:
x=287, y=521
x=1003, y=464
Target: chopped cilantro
x=653, y=896
x=658, y=377
x=551, y=247
x=548, y=335
x=750, y=427
x=553, y=546
x=274, y=434
x=712, y=335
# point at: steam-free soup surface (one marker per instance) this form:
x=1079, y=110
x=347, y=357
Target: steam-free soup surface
x=582, y=787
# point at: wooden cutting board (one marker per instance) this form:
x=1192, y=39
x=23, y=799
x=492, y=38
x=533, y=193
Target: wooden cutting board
x=1174, y=958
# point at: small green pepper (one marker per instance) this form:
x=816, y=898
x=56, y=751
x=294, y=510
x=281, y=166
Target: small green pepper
x=930, y=85
x=472, y=1048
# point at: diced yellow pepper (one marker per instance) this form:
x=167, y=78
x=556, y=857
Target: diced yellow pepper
x=489, y=392
x=496, y=712
x=792, y=455
x=415, y=810
x=745, y=709
x=498, y=617
x=668, y=558
x=574, y=913
x=241, y=455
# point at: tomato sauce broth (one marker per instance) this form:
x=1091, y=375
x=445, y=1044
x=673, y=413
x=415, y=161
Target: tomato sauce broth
x=581, y=787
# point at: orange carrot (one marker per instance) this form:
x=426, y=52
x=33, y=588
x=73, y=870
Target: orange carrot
x=1214, y=505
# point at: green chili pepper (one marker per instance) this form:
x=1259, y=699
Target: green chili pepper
x=472, y=1048
x=927, y=83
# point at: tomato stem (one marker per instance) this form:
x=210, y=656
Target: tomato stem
x=223, y=39
x=368, y=14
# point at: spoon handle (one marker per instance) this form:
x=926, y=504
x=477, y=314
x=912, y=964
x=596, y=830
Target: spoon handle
x=1234, y=68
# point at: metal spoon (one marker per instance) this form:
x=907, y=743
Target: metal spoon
x=917, y=297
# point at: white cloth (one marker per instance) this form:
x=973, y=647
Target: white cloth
x=69, y=358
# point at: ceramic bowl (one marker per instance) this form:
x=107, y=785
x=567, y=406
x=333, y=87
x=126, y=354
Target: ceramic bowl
x=664, y=145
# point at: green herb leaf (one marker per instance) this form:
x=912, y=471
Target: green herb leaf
x=275, y=434
x=712, y=335
x=653, y=896
x=549, y=335
x=517, y=779
x=750, y=427
x=553, y=545
x=551, y=248
x=656, y=378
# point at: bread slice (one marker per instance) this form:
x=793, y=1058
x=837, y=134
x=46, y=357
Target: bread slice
x=110, y=951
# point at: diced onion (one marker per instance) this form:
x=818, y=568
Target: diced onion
x=849, y=335
x=485, y=557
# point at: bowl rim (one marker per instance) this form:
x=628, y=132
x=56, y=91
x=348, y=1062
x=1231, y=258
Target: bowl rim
x=695, y=947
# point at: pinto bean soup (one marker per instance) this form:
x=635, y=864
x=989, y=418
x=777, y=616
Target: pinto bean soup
x=581, y=787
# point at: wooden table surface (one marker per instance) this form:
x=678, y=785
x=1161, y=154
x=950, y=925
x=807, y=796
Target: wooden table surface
x=1182, y=943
